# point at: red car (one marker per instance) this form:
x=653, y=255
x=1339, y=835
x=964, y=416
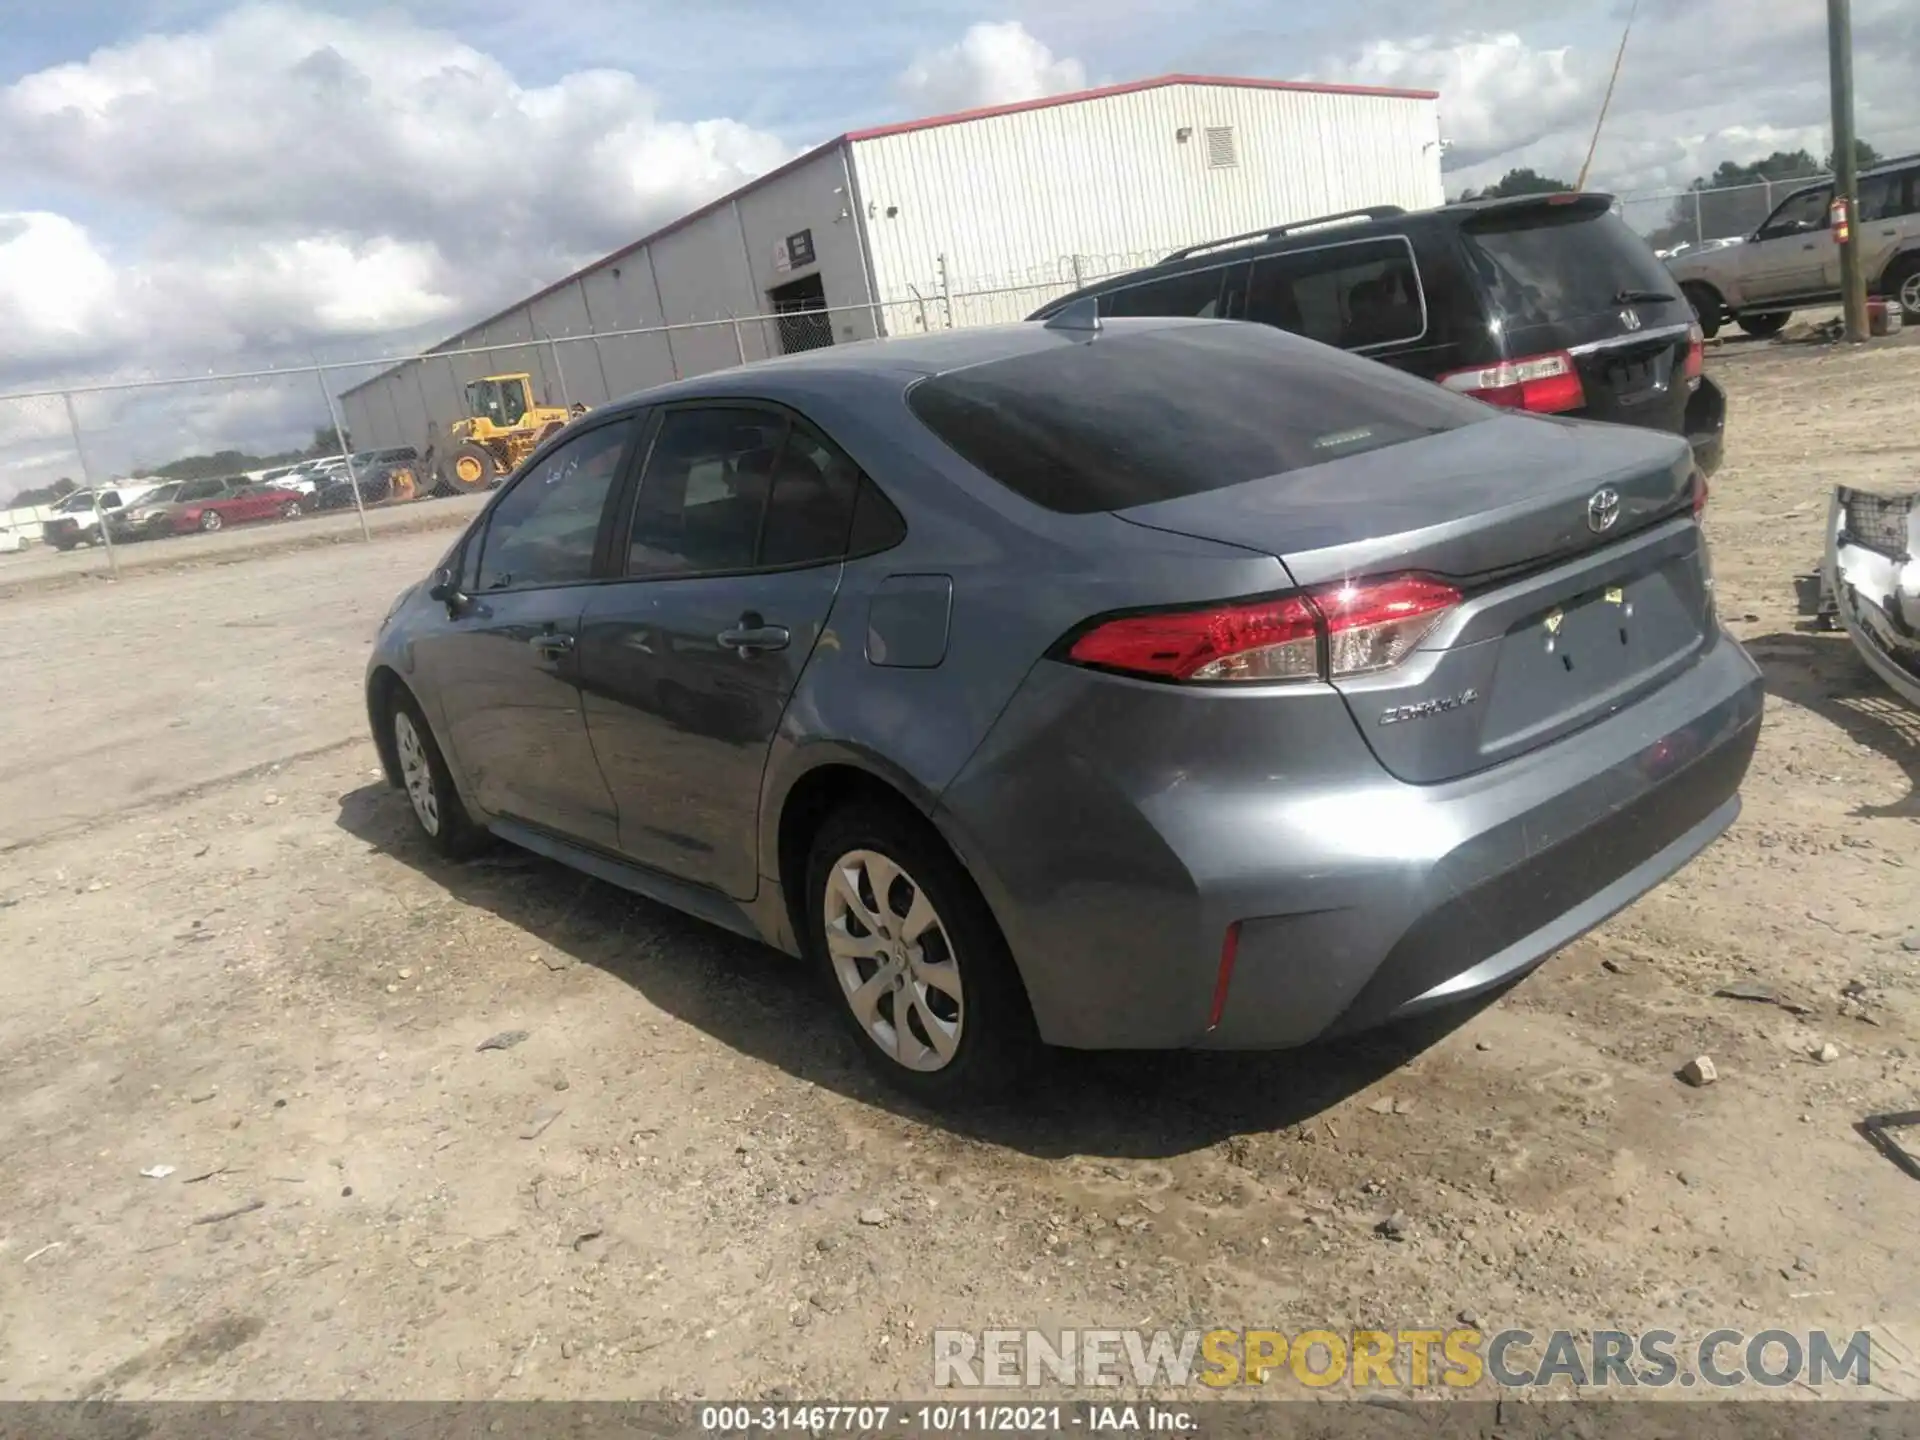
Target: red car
x=183, y=505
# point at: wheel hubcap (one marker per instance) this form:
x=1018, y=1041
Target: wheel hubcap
x=893, y=960
x=1910, y=291
x=416, y=773
x=467, y=468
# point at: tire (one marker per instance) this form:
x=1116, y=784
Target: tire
x=1902, y=283
x=969, y=1034
x=210, y=521
x=468, y=469
x=1764, y=323
x=290, y=510
x=438, y=810
x=1706, y=308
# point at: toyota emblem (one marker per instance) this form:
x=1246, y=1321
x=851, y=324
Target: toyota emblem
x=1603, y=509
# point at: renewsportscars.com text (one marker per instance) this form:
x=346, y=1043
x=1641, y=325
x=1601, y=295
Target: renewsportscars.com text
x=1453, y=1358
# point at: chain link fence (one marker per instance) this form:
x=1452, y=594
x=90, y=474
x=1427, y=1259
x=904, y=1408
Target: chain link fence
x=99, y=453
x=1674, y=221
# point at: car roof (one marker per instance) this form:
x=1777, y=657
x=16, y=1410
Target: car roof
x=895, y=362
x=1334, y=229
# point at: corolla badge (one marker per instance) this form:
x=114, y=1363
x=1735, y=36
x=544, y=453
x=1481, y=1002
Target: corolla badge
x=1603, y=509
x=1420, y=710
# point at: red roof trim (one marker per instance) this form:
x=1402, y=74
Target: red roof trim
x=986, y=112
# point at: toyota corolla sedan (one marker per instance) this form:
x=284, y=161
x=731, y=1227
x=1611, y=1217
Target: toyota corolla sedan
x=1146, y=684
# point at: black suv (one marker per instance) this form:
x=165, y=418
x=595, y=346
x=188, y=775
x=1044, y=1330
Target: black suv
x=1546, y=303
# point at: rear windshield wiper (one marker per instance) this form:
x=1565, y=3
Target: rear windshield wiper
x=1630, y=297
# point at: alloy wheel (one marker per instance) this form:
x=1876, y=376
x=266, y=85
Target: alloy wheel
x=416, y=772
x=896, y=967
x=1910, y=292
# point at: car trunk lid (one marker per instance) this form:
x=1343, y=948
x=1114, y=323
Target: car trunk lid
x=1583, y=577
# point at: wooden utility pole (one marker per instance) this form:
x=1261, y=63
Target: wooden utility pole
x=1846, y=185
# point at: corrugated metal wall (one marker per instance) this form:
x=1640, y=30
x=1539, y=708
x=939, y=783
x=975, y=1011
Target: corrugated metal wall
x=1001, y=201
x=1011, y=200
x=717, y=266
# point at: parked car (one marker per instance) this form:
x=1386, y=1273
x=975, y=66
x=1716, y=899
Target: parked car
x=187, y=505
x=1793, y=261
x=1545, y=303
x=1171, y=683
x=76, y=518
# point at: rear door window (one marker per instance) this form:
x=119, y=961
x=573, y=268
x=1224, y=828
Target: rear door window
x=1129, y=420
x=1193, y=295
x=1890, y=196
x=1541, y=264
x=1353, y=296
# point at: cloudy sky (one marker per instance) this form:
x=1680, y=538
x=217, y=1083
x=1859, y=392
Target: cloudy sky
x=189, y=187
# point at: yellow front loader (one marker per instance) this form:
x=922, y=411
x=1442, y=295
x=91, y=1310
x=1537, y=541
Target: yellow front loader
x=501, y=428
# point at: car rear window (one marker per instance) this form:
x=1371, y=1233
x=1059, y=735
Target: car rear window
x=1543, y=263
x=1131, y=419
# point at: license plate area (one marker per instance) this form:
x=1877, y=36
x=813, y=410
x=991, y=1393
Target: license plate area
x=1592, y=653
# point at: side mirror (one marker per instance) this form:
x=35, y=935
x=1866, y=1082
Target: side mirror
x=446, y=591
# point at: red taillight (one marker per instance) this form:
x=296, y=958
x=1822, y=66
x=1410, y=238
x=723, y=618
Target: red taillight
x=1699, y=494
x=1543, y=384
x=1372, y=625
x=1335, y=631
x=1696, y=354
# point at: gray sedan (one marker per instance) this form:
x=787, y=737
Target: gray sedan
x=1161, y=684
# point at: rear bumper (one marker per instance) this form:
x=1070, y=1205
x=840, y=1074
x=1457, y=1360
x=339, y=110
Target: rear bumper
x=1358, y=899
x=1706, y=424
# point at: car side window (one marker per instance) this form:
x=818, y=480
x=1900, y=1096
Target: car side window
x=110, y=500
x=1879, y=197
x=1192, y=295
x=704, y=491
x=810, y=509
x=543, y=531
x=1798, y=214
x=1352, y=296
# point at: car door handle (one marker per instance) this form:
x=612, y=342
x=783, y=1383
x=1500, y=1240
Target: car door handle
x=552, y=647
x=751, y=636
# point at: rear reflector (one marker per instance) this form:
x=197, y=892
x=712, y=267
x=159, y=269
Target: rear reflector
x=1699, y=494
x=1329, y=633
x=1543, y=384
x=1229, y=949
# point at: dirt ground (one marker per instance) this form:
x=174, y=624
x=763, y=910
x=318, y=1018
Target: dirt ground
x=225, y=953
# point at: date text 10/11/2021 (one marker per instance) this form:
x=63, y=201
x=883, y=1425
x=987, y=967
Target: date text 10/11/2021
x=948, y=1419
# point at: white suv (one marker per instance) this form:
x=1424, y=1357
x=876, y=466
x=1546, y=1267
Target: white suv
x=1792, y=260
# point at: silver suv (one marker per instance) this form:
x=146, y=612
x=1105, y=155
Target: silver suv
x=1792, y=261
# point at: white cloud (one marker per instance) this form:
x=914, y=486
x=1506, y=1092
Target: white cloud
x=57, y=291
x=299, y=176
x=992, y=64
x=283, y=179
x=1497, y=93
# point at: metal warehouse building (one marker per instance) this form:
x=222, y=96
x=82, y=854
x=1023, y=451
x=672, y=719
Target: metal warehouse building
x=962, y=219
